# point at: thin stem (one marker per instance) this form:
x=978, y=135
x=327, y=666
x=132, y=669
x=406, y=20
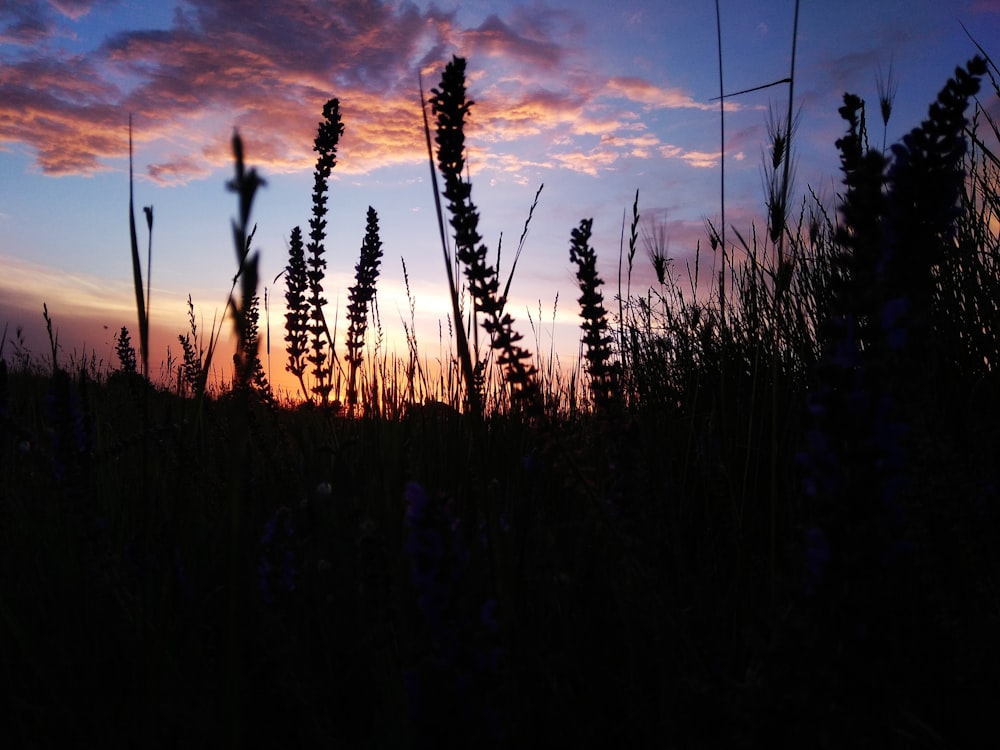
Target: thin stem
x=788, y=129
x=722, y=170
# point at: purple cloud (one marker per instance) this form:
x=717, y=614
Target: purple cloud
x=24, y=23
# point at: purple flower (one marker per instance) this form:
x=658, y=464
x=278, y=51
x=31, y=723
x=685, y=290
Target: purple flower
x=416, y=504
x=276, y=567
x=270, y=530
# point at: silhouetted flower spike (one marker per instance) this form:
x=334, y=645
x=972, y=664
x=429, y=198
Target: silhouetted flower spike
x=886, y=93
x=657, y=245
x=297, y=304
x=248, y=354
x=596, y=339
x=125, y=351
x=860, y=236
x=780, y=175
x=360, y=296
x=328, y=134
x=923, y=199
x=450, y=106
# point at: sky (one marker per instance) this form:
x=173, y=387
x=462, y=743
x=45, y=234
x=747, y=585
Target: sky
x=595, y=100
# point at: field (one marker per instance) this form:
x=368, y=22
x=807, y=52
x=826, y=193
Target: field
x=763, y=515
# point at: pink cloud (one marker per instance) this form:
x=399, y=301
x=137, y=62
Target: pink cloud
x=176, y=170
x=494, y=38
x=638, y=90
x=74, y=9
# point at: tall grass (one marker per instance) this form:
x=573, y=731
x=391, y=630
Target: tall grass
x=764, y=516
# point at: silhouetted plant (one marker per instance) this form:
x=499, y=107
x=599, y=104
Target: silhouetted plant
x=450, y=105
x=633, y=244
x=777, y=169
x=53, y=338
x=191, y=367
x=245, y=184
x=887, y=88
x=596, y=338
x=322, y=344
x=141, y=299
x=657, y=245
x=125, y=351
x=248, y=352
x=925, y=183
x=870, y=408
x=297, y=317
x=360, y=296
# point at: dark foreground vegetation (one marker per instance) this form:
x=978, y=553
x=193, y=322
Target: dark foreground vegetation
x=766, y=516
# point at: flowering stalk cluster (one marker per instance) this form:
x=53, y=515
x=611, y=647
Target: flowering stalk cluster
x=307, y=335
x=871, y=394
x=898, y=226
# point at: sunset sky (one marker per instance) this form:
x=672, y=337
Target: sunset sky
x=594, y=99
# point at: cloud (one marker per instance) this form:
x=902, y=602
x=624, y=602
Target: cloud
x=24, y=23
x=697, y=159
x=644, y=92
x=74, y=9
x=220, y=63
x=269, y=69
x=589, y=163
x=503, y=117
x=537, y=40
x=177, y=170
x=852, y=66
